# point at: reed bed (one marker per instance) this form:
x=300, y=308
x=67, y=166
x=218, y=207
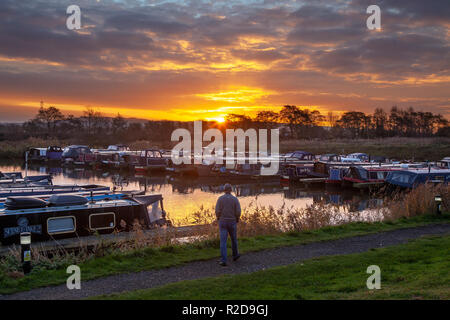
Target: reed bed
x=12, y=150
x=255, y=221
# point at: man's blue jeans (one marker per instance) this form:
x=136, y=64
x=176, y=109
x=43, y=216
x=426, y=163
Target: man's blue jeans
x=228, y=227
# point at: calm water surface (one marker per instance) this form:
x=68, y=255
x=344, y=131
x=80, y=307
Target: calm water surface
x=183, y=196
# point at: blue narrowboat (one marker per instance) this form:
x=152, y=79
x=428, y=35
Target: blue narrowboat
x=412, y=178
x=54, y=153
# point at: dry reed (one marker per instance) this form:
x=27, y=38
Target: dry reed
x=255, y=221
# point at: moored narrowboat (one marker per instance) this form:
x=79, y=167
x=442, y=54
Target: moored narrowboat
x=366, y=178
x=68, y=216
x=297, y=157
x=412, y=178
x=78, y=155
x=39, y=155
x=444, y=163
x=149, y=160
x=36, y=155
x=54, y=154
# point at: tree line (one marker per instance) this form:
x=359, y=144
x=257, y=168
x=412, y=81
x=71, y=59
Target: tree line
x=304, y=123
x=94, y=128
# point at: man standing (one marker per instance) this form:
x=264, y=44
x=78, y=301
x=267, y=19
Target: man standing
x=228, y=213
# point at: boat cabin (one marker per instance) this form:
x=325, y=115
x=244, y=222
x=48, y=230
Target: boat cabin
x=331, y=157
x=360, y=156
x=78, y=155
x=151, y=159
x=36, y=154
x=444, y=163
x=118, y=147
x=411, y=178
x=298, y=156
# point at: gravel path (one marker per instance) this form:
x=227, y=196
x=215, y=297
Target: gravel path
x=250, y=262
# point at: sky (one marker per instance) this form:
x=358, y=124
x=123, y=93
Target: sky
x=190, y=60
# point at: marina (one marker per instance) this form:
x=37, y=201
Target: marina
x=101, y=181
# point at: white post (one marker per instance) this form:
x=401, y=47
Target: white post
x=26, y=164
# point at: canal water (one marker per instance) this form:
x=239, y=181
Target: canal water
x=184, y=196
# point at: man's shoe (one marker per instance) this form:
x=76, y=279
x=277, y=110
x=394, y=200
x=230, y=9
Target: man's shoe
x=223, y=264
x=237, y=257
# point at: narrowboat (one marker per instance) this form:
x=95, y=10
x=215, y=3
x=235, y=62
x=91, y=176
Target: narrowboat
x=360, y=156
x=77, y=155
x=39, y=155
x=69, y=216
x=412, y=178
x=366, y=177
x=54, y=154
x=248, y=171
x=118, y=147
x=444, y=163
x=330, y=157
x=319, y=171
x=298, y=157
x=116, y=157
x=149, y=160
x=36, y=155
x=336, y=176
x=108, y=160
x=294, y=171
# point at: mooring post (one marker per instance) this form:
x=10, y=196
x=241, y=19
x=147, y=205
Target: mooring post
x=438, y=200
x=25, y=243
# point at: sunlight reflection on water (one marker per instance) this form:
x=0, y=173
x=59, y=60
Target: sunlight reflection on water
x=183, y=196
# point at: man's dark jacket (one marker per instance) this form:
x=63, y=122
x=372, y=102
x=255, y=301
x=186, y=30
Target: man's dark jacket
x=228, y=208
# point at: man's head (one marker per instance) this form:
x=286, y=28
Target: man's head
x=227, y=188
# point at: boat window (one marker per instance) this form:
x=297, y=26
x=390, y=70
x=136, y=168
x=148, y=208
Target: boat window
x=157, y=154
x=150, y=154
x=61, y=225
x=402, y=177
x=374, y=175
x=101, y=221
x=359, y=173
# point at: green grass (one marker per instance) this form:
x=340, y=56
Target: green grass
x=417, y=270
x=157, y=258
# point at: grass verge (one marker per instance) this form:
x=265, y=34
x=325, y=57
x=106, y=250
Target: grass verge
x=416, y=270
x=168, y=256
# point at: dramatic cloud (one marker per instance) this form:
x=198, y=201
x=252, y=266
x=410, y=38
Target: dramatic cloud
x=179, y=59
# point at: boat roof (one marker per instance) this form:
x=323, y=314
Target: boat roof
x=40, y=149
x=77, y=146
x=90, y=205
x=357, y=154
